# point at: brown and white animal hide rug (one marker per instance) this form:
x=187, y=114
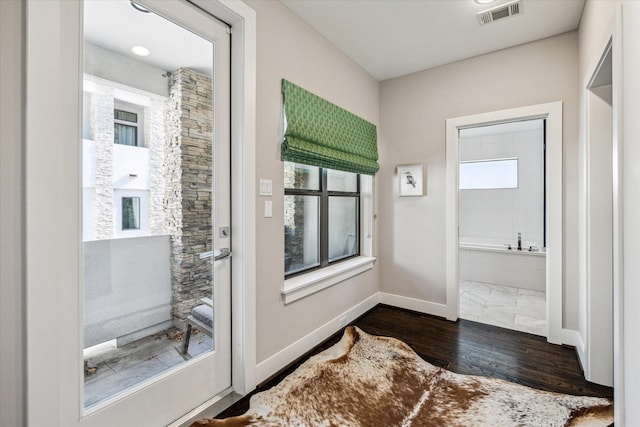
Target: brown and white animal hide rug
x=365, y=380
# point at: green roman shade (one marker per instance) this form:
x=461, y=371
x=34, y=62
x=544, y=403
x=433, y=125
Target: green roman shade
x=320, y=133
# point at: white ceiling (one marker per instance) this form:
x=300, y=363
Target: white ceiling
x=391, y=38
x=116, y=26
x=388, y=38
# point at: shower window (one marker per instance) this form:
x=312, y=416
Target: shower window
x=489, y=174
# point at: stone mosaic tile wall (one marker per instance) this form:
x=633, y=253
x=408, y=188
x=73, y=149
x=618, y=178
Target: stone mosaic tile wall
x=101, y=113
x=294, y=219
x=188, y=183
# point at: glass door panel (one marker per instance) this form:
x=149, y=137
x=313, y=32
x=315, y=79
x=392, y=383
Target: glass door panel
x=155, y=186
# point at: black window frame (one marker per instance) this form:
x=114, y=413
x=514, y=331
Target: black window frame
x=139, y=212
x=124, y=122
x=324, y=195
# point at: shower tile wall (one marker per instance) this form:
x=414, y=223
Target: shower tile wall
x=500, y=214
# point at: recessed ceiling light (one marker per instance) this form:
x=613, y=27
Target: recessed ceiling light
x=140, y=51
x=484, y=1
x=139, y=8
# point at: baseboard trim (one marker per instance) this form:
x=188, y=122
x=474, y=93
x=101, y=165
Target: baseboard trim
x=570, y=337
x=273, y=364
x=414, y=304
x=581, y=352
x=208, y=409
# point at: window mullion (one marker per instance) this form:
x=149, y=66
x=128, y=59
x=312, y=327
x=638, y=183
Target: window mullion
x=324, y=220
x=358, y=217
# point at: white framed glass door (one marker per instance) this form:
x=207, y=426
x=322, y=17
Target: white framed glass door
x=142, y=206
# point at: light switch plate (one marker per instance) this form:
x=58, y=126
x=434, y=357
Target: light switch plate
x=266, y=187
x=268, y=209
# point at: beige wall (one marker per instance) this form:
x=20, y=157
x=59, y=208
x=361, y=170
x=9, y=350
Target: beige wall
x=596, y=17
x=12, y=246
x=289, y=48
x=412, y=129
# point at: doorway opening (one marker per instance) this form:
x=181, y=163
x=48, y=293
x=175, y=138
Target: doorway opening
x=599, y=230
x=54, y=262
x=552, y=236
x=502, y=248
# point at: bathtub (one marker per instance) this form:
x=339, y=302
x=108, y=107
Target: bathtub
x=491, y=261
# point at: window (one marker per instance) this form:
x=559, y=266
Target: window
x=127, y=128
x=489, y=174
x=131, y=213
x=321, y=217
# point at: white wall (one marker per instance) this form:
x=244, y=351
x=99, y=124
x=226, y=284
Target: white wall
x=412, y=128
x=288, y=48
x=113, y=66
x=127, y=288
x=631, y=194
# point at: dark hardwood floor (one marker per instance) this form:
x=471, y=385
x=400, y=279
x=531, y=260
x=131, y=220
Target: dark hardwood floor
x=467, y=348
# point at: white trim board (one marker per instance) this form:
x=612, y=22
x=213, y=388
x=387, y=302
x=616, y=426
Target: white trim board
x=552, y=112
x=301, y=286
x=600, y=231
x=580, y=351
x=273, y=364
x=422, y=306
x=242, y=20
x=54, y=39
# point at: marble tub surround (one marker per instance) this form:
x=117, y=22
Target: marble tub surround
x=504, y=306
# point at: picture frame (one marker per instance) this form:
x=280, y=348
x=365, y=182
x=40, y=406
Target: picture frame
x=410, y=180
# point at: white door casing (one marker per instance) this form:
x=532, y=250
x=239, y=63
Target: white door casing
x=552, y=112
x=53, y=230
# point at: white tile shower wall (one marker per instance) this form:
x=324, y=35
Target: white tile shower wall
x=508, y=268
x=502, y=214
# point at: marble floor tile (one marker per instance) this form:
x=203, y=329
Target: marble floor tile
x=504, y=306
x=539, y=294
x=519, y=319
x=470, y=298
x=499, y=299
x=532, y=309
x=504, y=289
x=469, y=311
x=497, y=318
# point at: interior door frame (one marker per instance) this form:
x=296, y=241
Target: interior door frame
x=610, y=40
x=54, y=43
x=552, y=112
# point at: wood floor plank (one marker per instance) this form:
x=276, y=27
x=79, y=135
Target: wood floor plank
x=467, y=347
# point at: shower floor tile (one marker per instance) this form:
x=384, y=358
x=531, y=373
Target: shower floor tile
x=504, y=306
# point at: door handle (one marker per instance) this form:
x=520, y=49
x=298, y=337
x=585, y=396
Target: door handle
x=224, y=253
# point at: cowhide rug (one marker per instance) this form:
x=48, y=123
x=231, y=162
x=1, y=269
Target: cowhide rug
x=365, y=380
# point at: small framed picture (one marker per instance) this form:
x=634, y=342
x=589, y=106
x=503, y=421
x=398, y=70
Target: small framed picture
x=411, y=180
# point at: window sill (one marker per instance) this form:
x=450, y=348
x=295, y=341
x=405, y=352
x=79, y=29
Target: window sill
x=300, y=286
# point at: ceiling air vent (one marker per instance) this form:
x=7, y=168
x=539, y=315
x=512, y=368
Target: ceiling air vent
x=503, y=11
